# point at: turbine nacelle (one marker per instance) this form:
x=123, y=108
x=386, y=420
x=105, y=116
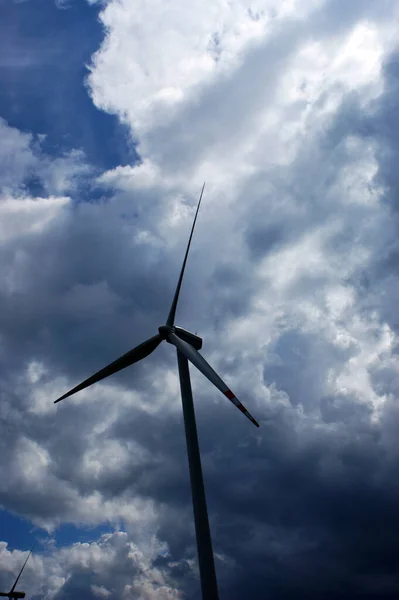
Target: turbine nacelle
x=194, y=340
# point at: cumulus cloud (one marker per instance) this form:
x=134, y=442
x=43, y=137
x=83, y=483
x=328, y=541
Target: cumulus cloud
x=24, y=164
x=112, y=567
x=288, y=109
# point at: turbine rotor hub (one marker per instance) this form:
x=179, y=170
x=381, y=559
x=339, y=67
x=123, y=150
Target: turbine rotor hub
x=165, y=330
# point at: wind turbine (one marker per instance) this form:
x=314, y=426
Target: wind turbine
x=12, y=593
x=187, y=345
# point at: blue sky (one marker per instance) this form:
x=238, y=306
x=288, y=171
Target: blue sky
x=112, y=114
x=45, y=51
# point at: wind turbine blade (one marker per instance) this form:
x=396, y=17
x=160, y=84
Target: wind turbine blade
x=171, y=317
x=133, y=356
x=199, y=361
x=20, y=573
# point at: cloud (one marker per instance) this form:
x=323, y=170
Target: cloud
x=111, y=567
x=288, y=110
x=17, y=158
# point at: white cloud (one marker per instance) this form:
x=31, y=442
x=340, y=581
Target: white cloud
x=23, y=217
x=16, y=157
x=172, y=49
x=112, y=566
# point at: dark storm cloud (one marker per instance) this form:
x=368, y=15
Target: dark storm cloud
x=378, y=124
x=327, y=495
x=261, y=239
x=299, y=363
x=79, y=281
x=326, y=521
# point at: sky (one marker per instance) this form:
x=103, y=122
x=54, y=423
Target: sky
x=112, y=115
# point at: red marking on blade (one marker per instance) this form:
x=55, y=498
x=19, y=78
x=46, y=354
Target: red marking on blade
x=229, y=394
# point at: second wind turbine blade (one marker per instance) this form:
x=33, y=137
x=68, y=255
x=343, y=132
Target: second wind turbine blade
x=131, y=357
x=199, y=361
